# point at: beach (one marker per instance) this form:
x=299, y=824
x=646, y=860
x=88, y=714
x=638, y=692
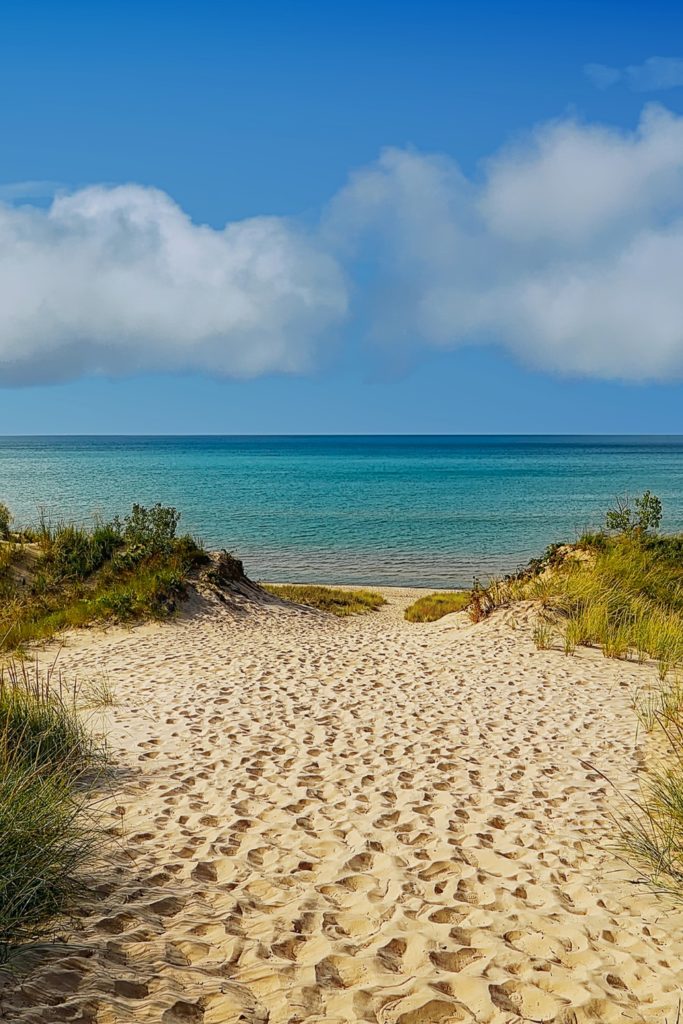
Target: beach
x=363, y=819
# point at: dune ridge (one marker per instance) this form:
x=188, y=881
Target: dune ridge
x=360, y=820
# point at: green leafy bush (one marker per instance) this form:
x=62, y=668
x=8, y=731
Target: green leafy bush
x=152, y=529
x=647, y=515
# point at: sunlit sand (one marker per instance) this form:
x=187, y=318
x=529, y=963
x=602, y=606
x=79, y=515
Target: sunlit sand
x=362, y=820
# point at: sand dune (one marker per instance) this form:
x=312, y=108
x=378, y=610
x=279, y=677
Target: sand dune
x=361, y=820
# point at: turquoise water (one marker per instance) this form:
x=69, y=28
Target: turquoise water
x=420, y=511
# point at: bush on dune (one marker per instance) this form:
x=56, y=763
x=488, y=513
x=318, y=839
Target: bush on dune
x=625, y=596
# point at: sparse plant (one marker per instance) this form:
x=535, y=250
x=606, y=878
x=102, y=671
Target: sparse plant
x=647, y=514
x=652, y=831
x=542, y=635
x=484, y=599
x=618, y=519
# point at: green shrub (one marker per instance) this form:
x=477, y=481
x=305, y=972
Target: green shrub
x=75, y=553
x=648, y=514
x=151, y=529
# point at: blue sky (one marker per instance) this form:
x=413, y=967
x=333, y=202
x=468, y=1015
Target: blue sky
x=236, y=113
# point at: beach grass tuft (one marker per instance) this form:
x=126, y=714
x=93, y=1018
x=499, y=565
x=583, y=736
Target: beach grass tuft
x=48, y=830
x=328, y=599
x=434, y=606
x=623, y=595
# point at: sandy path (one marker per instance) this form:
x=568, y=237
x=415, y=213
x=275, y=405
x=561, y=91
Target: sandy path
x=362, y=820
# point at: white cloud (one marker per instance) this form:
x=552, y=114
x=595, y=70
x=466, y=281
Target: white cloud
x=602, y=75
x=568, y=251
x=572, y=182
x=653, y=75
x=119, y=280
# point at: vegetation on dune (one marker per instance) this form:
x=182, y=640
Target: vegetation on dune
x=51, y=578
x=328, y=599
x=621, y=589
x=48, y=832
x=435, y=606
x=57, y=577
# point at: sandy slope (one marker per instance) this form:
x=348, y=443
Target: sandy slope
x=362, y=820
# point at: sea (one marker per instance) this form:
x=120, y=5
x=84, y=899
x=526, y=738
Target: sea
x=416, y=511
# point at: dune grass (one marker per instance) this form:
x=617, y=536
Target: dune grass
x=65, y=576
x=48, y=832
x=652, y=827
x=434, y=606
x=623, y=593
x=328, y=599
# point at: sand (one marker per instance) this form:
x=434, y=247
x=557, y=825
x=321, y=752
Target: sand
x=361, y=820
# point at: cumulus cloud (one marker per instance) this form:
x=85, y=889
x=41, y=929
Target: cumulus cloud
x=119, y=280
x=653, y=75
x=568, y=250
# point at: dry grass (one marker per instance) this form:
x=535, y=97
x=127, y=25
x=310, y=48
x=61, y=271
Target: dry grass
x=435, y=606
x=328, y=599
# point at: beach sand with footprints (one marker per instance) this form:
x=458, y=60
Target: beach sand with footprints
x=360, y=820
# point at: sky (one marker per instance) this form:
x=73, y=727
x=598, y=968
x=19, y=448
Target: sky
x=341, y=218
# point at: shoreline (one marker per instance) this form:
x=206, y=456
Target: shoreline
x=396, y=591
